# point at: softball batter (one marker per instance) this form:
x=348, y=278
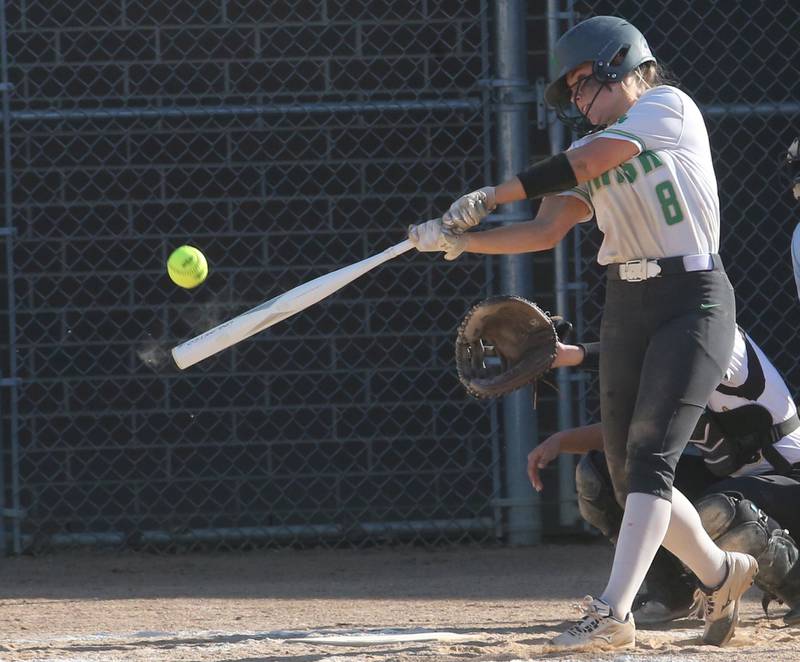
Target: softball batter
x=645, y=173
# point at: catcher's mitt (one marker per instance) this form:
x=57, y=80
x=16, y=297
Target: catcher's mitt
x=504, y=343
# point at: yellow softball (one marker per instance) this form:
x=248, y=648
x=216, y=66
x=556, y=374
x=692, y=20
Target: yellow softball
x=187, y=267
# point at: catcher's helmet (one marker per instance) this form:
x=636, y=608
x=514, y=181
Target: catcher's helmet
x=598, y=40
x=793, y=166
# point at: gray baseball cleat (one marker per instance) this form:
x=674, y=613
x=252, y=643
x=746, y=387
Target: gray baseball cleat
x=721, y=604
x=598, y=629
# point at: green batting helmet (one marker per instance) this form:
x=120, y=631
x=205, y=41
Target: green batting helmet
x=598, y=40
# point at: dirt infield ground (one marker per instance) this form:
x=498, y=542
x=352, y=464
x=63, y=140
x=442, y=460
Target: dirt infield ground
x=247, y=607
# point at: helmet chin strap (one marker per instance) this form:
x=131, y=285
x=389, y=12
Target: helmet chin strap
x=581, y=123
x=589, y=107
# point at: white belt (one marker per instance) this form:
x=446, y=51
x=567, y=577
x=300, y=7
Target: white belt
x=637, y=270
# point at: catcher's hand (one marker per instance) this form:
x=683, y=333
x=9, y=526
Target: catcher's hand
x=540, y=457
x=503, y=344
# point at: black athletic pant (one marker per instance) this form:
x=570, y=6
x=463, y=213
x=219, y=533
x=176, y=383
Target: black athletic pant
x=665, y=344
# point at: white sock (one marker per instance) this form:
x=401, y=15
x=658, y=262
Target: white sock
x=643, y=526
x=687, y=539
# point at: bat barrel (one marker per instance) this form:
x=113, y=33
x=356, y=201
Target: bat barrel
x=206, y=344
x=273, y=311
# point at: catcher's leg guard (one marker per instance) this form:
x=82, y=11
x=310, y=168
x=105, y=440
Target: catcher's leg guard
x=596, y=501
x=779, y=575
x=737, y=525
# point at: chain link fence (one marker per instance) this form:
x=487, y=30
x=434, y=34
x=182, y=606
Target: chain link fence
x=284, y=139
x=739, y=62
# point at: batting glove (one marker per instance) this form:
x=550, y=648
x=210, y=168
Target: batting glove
x=430, y=237
x=469, y=210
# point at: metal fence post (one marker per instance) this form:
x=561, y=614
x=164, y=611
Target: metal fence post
x=567, y=506
x=519, y=419
x=8, y=508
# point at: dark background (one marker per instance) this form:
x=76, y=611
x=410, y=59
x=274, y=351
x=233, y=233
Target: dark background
x=350, y=412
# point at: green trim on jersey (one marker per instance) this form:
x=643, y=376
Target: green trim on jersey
x=630, y=136
x=584, y=195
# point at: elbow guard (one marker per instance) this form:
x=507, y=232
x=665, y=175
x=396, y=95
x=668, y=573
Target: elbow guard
x=552, y=175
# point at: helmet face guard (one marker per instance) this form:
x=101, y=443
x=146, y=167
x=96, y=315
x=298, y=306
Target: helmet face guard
x=569, y=114
x=612, y=45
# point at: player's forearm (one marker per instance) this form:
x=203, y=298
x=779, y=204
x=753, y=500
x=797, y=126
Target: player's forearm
x=581, y=440
x=568, y=356
x=510, y=191
x=518, y=238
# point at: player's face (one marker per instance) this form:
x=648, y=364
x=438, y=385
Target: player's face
x=601, y=103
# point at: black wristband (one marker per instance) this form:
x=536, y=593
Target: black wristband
x=552, y=175
x=591, y=355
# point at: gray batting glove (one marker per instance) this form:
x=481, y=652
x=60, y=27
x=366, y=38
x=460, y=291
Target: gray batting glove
x=430, y=237
x=469, y=210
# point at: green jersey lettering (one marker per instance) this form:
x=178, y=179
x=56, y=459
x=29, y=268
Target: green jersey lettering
x=649, y=161
x=602, y=180
x=625, y=173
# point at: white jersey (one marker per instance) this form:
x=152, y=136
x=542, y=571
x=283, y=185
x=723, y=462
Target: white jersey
x=752, y=379
x=664, y=201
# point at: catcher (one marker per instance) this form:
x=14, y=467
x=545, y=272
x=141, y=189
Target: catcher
x=745, y=483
